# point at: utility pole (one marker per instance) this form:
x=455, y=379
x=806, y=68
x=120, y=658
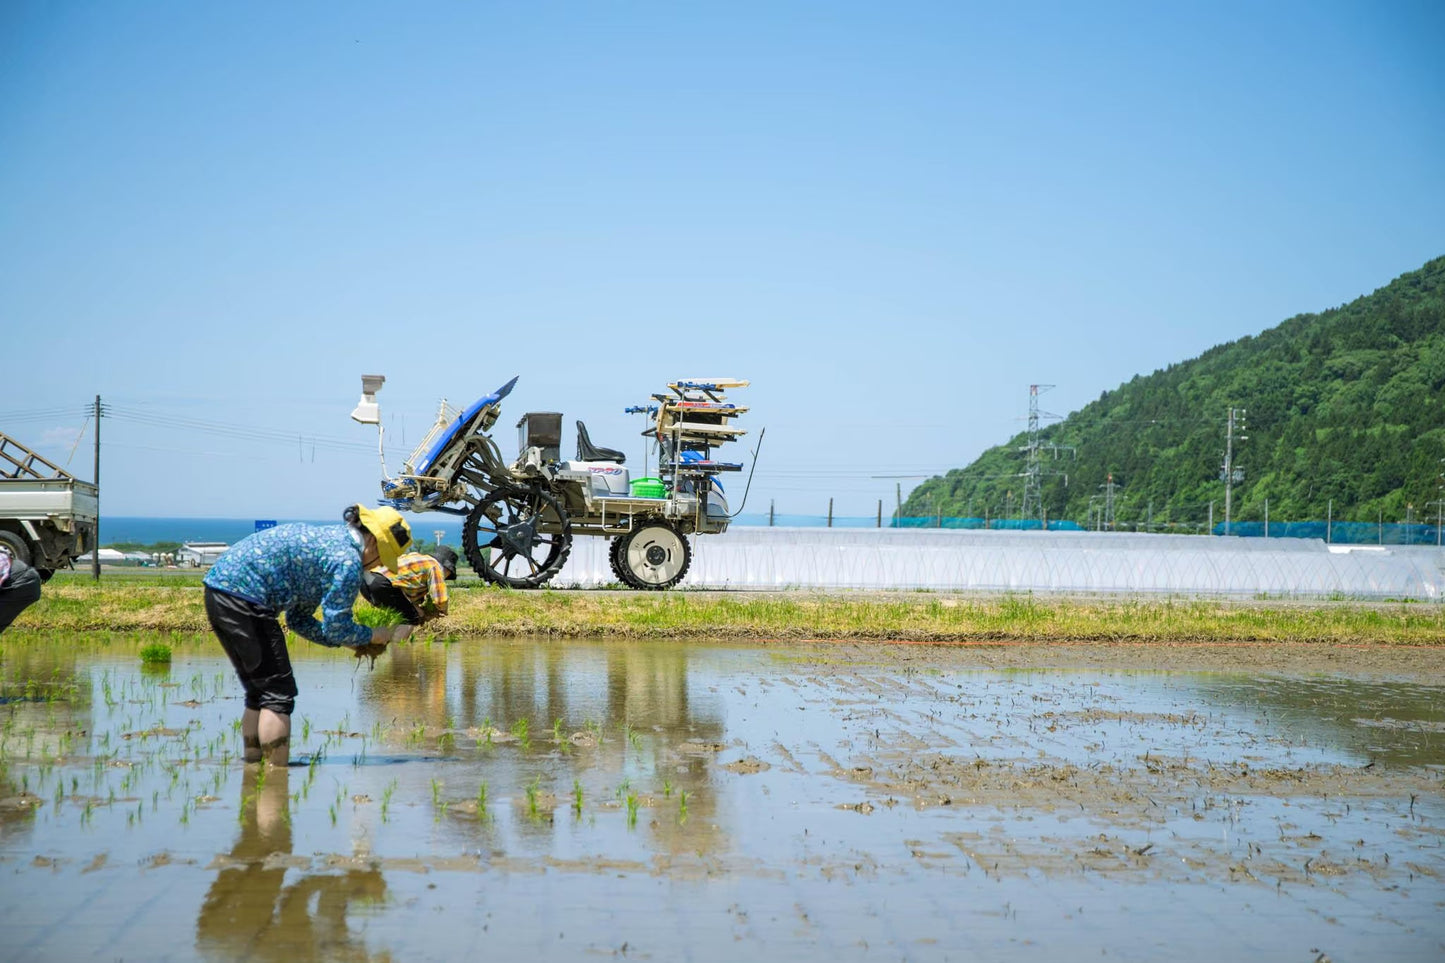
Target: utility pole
x=95, y=546
x=898, y=497
x=1234, y=425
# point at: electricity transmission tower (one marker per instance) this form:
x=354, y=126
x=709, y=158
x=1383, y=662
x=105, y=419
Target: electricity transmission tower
x=1233, y=432
x=1033, y=500
x=1439, y=504
x=1107, y=520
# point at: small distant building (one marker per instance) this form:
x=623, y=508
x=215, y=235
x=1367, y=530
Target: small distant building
x=197, y=554
x=108, y=556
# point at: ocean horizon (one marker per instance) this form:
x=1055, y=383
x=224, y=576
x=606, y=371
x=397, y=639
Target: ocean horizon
x=148, y=530
x=144, y=530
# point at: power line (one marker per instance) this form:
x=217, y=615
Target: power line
x=271, y=435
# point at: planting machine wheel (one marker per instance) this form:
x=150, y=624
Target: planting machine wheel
x=653, y=556
x=517, y=537
x=613, y=544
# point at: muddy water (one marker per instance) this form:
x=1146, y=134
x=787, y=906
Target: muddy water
x=691, y=802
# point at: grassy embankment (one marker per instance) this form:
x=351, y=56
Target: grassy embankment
x=171, y=603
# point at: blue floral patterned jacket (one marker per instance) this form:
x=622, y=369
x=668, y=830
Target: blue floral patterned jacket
x=296, y=569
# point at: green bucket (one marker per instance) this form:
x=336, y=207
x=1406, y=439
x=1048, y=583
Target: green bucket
x=648, y=488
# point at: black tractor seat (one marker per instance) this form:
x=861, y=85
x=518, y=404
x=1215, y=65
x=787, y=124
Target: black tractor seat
x=586, y=451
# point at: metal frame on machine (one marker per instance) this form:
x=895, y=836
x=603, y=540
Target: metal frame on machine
x=531, y=508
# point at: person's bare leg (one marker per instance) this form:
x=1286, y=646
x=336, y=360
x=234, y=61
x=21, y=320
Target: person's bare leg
x=274, y=733
x=250, y=734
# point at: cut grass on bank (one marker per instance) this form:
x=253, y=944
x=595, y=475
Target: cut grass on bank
x=78, y=605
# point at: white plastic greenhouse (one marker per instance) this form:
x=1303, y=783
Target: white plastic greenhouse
x=1054, y=562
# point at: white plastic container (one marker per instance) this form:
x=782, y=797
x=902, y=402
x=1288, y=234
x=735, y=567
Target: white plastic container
x=609, y=479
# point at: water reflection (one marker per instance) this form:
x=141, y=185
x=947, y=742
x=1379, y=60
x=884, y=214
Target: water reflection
x=1401, y=723
x=615, y=720
x=639, y=685
x=251, y=912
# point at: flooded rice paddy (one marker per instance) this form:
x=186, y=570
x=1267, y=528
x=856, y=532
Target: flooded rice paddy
x=665, y=801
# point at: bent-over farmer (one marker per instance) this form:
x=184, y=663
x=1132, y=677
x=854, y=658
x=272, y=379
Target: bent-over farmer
x=295, y=569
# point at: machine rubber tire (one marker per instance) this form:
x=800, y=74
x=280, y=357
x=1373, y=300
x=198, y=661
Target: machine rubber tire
x=652, y=557
x=506, y=521
x=15, y=546
x=614, y=560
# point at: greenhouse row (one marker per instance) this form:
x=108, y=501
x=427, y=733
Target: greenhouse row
x=1044, y=562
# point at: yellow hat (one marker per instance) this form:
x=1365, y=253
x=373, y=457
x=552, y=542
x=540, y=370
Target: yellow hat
x=390, y=530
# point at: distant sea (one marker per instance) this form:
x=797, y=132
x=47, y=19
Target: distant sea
x=148, y=531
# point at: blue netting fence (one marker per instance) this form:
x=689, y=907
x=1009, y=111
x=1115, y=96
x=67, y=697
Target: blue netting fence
x=781, y=520
x=1344, y=533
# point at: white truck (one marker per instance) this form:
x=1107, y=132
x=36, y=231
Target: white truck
x=47, y=515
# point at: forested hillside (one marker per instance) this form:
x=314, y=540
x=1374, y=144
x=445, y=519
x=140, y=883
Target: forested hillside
x=1346, y=406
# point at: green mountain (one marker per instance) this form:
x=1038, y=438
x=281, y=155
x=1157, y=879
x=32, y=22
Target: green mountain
x=1345, y=412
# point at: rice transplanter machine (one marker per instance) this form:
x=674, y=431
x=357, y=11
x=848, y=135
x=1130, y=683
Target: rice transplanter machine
x=520, y=517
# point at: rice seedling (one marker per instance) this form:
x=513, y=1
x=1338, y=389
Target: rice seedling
x=486, y=732
x=682, y=807
x=386, y=795
x=482, y=800
x=632, y=803
x=577, y=797
x=374, y=617
x=520, y=729
x=533, y=790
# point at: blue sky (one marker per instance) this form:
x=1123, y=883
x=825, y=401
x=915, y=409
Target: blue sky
x=892, y=218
